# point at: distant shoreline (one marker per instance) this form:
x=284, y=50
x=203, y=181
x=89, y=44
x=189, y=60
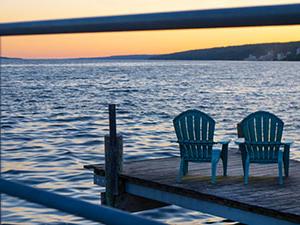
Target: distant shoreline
x=289, y=51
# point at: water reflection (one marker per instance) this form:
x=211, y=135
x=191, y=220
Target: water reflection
x=54, y=117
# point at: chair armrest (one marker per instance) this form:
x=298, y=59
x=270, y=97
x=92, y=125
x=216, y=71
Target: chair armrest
x=223, y=141
x=287, y=142
x=239, y=141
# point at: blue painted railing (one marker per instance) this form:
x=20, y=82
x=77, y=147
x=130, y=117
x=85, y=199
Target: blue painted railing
x=72, y=206
x=231, y=17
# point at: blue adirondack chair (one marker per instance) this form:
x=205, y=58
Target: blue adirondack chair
x=195, y=134
x=260, y=141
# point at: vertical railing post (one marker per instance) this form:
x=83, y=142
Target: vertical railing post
x=113, y=159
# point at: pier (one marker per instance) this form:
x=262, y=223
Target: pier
x=262, y=201
x=147, y=184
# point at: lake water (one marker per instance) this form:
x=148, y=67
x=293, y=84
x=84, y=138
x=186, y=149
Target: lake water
x=54, y=117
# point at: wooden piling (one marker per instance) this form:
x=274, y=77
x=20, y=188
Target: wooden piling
x=113, y=159
x=115, y=194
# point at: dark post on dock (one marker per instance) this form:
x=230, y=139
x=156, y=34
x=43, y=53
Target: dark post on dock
x=115, y=194
x=113, y=158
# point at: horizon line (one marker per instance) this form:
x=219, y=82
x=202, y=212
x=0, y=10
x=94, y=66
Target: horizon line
x=145, y=54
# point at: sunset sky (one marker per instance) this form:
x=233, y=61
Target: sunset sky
x=119, y=43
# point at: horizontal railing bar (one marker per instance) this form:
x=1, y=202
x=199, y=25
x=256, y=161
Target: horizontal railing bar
x=76, y=207
x=213, y=18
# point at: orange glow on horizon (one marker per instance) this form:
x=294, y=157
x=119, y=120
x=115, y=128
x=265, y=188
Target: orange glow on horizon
x=122, y=43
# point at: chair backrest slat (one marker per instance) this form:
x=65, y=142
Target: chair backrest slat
x=184, y=134
x=191, y=136
x=279, y=131
x=204, y=136
x=194, y=125
x=266, y=128
x=197, y=121
x=258, y=129
x=262, y=127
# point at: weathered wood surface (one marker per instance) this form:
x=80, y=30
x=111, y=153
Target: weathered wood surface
x=263, y=194
x=113, y=166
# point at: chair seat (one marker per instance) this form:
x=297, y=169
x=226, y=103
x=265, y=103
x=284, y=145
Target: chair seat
x=216, y=153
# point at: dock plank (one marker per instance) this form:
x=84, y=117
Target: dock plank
x=262, y=195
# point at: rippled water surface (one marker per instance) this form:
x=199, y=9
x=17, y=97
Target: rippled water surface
x=54, y=117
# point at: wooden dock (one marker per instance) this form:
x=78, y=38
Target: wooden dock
x=262, y=201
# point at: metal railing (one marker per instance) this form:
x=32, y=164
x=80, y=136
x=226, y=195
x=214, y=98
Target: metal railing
x=231, y=17
x=76, y=207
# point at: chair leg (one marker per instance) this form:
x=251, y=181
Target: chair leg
x=213, y=171
x=243, y=155
x=185, y=167
x=286, y=168
x=181, y=171
x=214, y=162
x=224, y=167
x=280, y=172
x=280, y=162
x=246, y=172
x=224, y=156
x=286, y=160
